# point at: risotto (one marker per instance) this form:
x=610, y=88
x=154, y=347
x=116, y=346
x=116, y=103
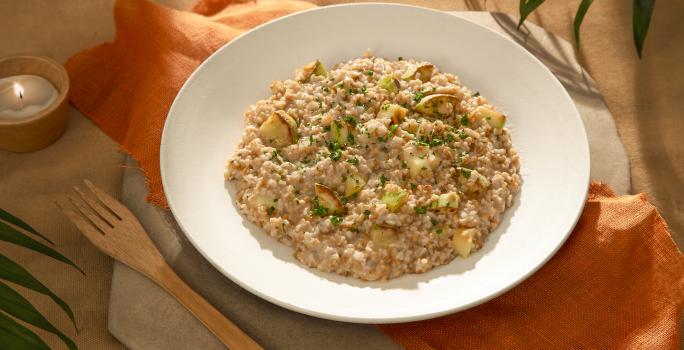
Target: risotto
x=375, y=168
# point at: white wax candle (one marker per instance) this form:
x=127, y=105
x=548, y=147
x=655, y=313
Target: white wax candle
x=23, y=96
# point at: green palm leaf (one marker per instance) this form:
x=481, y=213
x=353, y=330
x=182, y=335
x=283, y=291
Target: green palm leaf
x=17, y=337
x=579, y=17
x=20, y=223
x=641, y=18
x=12, y=235
x=526, y=7
x=16, y=305
x=12, y=272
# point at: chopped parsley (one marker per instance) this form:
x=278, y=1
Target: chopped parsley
x=466, y=172
x=439, y=231
x=403, y=165
x=335, y=151
x=317, y=209
x=350, y=120
x=419, y=96
x=464, y=120
x=414, y=186
x=326, y=128
x=450, y=137
x=364, y=90
x=354, y=161
x=383, y=180
x=369, y=73
x=462, y=134
x=311, y=140
x=336, y=154
x=335, y=220
x=367, y=212
x=436, y=142
x=433, y=221
x=340, y=85
x=350, y=139
x=271, y=210
x=420, y=210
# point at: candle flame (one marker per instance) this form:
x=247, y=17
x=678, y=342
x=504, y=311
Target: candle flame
x=18, y=90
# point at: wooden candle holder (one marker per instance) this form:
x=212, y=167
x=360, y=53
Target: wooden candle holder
x=41, y=130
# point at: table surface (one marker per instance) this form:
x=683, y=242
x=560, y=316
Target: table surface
x=645, y=96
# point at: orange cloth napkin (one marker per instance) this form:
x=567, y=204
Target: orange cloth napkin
x=618, y=282
x=127, y=86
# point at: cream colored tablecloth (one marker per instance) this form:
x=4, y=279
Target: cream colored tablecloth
x=645, y=97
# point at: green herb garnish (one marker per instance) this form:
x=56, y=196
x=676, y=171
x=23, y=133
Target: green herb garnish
x=317, y=209
x=367, y=212
x=335, y=220
x=464, y=120
x=419, y=96
x=369, y=73
x=383, y=180
x=466, y=172
x=420, y=210
x=354, y=161
x=350, y=120
x=336, y=154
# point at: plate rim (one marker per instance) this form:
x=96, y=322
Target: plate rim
x=585, y=181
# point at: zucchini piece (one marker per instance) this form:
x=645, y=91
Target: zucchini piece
x=446, y=203
x=339, y=132
x=394, y=197
x=279, y=130
x=311, y=68
x=328, y=199
x=393, y=111
x=260, y=200
x=462, y=241
x=423, y=69
x=496, y=119
x=420, y=159
x=437, y=105
x=383, y=236
x=353, y=184
x=389, y=83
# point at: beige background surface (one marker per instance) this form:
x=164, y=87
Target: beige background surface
x=645, y=96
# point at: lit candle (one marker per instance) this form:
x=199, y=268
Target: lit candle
x=23, y=96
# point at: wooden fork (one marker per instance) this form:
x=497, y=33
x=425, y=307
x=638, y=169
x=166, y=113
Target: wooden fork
x=113, y=229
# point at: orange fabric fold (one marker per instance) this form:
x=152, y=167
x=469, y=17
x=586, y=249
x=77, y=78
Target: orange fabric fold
x=127, y=86
x=617, y=283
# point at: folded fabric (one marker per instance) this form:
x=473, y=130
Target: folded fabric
x=617, y=283
x=127, y=86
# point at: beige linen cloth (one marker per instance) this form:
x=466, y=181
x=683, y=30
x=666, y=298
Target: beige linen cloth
x=646, y=98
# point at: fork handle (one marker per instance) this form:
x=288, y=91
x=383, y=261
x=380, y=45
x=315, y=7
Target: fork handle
x=224, y=329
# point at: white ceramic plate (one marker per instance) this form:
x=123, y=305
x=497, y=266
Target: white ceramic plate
x=206, y=120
